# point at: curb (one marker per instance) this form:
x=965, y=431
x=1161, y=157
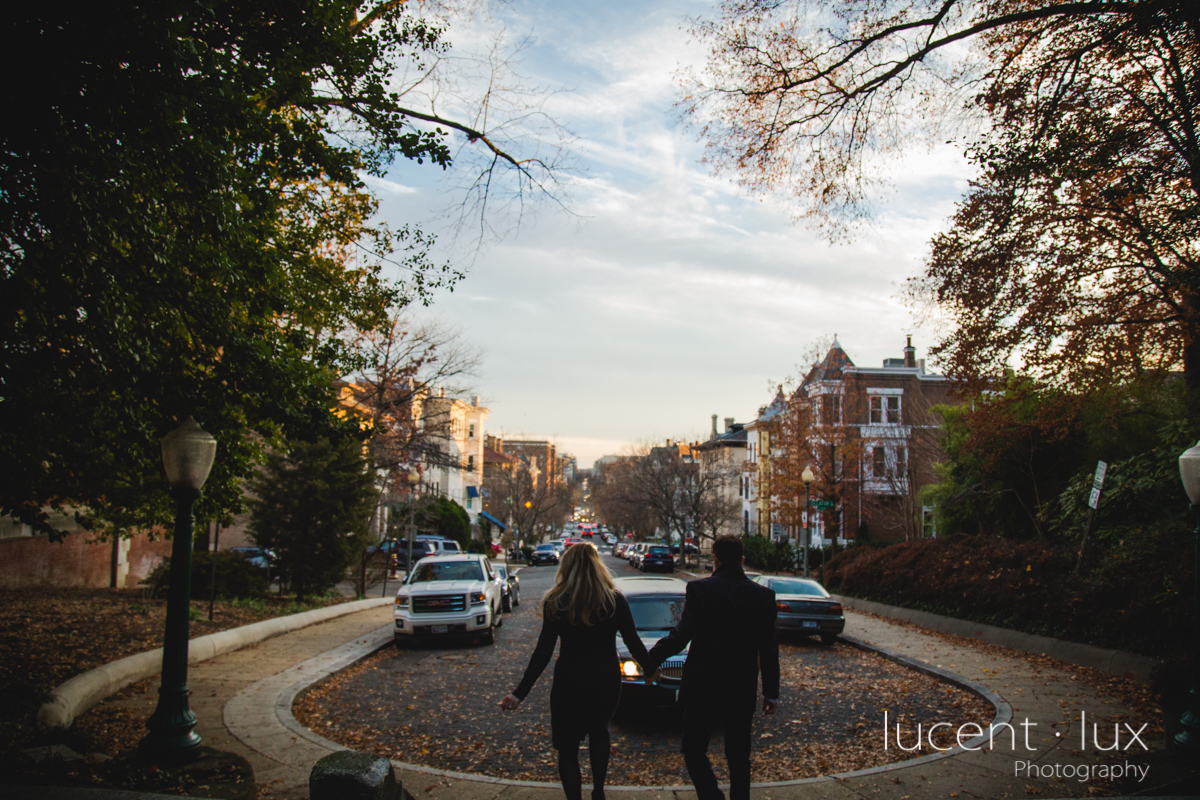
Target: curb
x=1117, y=662
x=305, y=675
x=75, y=696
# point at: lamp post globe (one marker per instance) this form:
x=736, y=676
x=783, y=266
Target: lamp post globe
x=188, y=453
x=1188, y=739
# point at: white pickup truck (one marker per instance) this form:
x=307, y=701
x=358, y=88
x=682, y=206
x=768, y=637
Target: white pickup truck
x=451, y=595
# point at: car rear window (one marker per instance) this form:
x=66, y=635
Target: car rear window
x=656, y=613
x=799, y=587
x=450, y=547
x=447, y=571
x=660, y=551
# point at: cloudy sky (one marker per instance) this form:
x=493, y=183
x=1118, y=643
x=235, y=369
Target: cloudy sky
x=666, y=295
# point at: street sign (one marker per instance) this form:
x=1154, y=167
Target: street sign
x=819, y=504
x=1097, y=485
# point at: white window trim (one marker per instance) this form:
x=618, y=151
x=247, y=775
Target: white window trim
x=883, y=390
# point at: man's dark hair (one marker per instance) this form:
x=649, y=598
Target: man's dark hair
x=728, y=549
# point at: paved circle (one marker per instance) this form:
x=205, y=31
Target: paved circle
x=437, y=706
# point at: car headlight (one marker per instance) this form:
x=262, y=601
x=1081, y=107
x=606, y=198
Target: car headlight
x=478, y=598
x=402, y=601
x=630, y=669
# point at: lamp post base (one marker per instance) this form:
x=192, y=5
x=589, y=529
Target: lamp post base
x=171, y=737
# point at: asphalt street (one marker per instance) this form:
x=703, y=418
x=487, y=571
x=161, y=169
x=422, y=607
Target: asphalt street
x=437, y=704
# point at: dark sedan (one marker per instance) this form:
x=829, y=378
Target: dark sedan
x=657, y=604
x=805, y=607
x=657, y=557
x=544, y=554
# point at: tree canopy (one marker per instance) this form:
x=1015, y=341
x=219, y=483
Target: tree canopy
x=186, y=231
x=1076, y=249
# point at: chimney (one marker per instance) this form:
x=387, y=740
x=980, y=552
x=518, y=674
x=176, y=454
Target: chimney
x=921, y=364
x=910, y=355
x=714, y=430
x=441, y=391
x=477, y=401
x=728, y=424
x=670, y=442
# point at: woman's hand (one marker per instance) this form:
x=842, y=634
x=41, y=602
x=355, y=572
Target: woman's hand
x=510, y=702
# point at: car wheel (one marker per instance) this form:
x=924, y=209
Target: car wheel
x=489, y=636
x=506, y=604
x=828, y=639
x=497, y=620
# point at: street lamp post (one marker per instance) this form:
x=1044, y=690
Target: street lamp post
x=414, y=478
x=1189, y=738
x=188, y=453
x=807, y=477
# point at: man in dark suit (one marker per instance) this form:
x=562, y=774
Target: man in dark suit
x=730, y=621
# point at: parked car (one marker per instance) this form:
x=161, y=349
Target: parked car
x=657, y=604
x=805, y=607
x=544, y=554
x=635, y=558
x=510, y=585
x=619, y=550
x=657, y=556
x=423, y=546
x=258, y=556
x=447, y=596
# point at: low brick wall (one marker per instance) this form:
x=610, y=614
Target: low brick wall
x=75, y=561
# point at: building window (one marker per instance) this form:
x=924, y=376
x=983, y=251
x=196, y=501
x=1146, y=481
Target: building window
x=885, y=409
x=901, y=461
x=470, y=463
x=471, y=431
x=470, y=501
x=831, y=410
x=746, y=523
x=878, y=462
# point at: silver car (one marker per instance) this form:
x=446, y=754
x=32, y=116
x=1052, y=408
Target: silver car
x=805, y=607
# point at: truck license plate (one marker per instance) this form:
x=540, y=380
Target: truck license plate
x=444, y=628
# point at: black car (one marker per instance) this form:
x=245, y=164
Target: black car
x=805, y=607
x=511, y=587
x=657, y=604
x=657, y=557
x=544, y=554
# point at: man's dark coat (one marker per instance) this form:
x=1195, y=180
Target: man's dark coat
x=730, y=621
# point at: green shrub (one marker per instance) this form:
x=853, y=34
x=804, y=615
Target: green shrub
x=236, y=576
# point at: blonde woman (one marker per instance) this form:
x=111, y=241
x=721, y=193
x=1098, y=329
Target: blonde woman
x=586, y=611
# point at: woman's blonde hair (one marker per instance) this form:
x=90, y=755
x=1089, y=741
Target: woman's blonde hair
x=583, y=590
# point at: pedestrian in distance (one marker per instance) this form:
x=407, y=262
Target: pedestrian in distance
x=730, y=622
x=584, y=610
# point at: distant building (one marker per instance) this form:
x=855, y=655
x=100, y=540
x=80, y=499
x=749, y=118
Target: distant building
x=540, y=456
x=726, y=452
x=872, y=441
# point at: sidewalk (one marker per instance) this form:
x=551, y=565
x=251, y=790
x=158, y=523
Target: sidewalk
x=243, y=702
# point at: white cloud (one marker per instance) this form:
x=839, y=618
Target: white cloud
x=675, y=297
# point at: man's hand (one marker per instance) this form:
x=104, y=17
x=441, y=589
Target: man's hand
x=769, y=706
x=652, y=678
x=510, y=702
